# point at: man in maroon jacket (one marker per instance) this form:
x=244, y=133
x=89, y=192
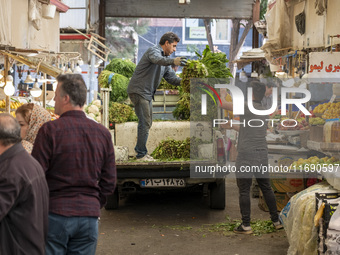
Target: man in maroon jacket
x=78, y=158
x=23, y=195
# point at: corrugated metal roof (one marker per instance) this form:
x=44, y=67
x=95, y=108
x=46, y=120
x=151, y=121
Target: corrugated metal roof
x=223, y=9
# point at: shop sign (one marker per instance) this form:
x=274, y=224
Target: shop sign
x=324, y=65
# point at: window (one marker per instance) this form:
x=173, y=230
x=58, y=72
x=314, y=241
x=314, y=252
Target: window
x=194, y=31
x=76, y=16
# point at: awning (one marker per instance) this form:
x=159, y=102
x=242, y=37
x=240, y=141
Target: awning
x=250, y=56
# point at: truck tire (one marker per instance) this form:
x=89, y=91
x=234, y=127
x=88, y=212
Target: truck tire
x=112, y=201
x=217, y=195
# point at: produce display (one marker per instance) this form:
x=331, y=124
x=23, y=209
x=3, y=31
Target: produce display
x=118, y=84
x=93, y=110
x=328, y=110
x=13, y=104
x=123, y=67
x=291, y=124
x=316, y=121
x=11, y=113
x=321, y=108
x=119, y=113
x=314, y=163
x=332, y=111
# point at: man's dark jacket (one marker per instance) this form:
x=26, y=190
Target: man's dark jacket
x=23, y=203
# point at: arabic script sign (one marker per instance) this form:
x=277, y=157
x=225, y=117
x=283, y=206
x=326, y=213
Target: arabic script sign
x=324, y=65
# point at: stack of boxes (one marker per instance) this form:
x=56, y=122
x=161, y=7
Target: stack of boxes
x=285, y=186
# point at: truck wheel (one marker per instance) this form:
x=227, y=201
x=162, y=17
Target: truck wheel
x=217, y=195
x=112, y=201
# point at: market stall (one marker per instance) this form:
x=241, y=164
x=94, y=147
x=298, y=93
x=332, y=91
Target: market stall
x=302, y=50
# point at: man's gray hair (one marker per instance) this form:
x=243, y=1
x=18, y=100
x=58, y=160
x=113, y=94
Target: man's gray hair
x=9, y=130
x=74, y=86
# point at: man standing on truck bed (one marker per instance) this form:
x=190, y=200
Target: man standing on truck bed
x=252, y=151
x=153, y=66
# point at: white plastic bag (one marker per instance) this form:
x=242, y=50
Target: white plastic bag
x=334, y=223
x=34, y=14
x=298, y=220
x=333, y=241
x=278, y=29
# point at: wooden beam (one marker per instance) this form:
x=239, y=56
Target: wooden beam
x=208, y=31
x=233, y=43
x=256, y=11
x=242, y=38
x=212, y=9
x=101, y=28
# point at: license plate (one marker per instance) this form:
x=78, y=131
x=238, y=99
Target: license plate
x=168, y=182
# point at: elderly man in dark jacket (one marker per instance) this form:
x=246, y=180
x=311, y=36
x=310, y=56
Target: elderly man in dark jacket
x=23, y=195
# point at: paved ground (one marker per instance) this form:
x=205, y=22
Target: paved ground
x=181, y=224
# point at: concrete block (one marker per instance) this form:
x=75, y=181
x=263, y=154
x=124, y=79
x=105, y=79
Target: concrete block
x=206, y=151
x=126, y=134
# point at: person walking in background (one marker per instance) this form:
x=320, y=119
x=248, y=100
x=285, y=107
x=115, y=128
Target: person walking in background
x=23, y=195
x=153, y=66
x=31, y=117
x=267, y=100
x=252, y=151
x=78, y=158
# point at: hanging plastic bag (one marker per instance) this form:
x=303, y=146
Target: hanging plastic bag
x=300, y=22
x=34, y=14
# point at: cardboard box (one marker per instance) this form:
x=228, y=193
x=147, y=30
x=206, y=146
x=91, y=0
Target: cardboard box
x=281, y=200
x=316, y=133
x=283, y=183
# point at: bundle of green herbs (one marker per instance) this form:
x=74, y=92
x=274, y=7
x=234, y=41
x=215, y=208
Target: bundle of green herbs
x=211, y=69
x=215, y=62
x=171, y=149
x=118, y=84
x=119, y=113
x=121, y=66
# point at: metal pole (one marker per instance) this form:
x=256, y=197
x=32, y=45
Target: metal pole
x=106, y=99
x=8, y=105
x=44, y=91
x=92, y=77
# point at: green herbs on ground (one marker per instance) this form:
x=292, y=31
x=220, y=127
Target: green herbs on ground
x=172, y=149
x=259, y=227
